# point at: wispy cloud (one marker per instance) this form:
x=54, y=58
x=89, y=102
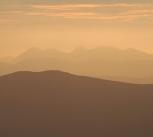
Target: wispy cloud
x=81, y=6
x=66, y=6
x=99, y=11
x=116, y=11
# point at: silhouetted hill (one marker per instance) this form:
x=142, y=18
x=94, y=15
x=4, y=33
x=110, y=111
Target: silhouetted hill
x=128, y=65
x=59, y=104
x=5, y=68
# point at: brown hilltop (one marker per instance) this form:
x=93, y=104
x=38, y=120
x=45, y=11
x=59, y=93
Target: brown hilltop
x=56, y=103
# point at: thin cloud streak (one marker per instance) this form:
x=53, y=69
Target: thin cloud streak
x=91, y=16
x=106, y=12
x=65, y=7
x=88, y=6
x=94, y=11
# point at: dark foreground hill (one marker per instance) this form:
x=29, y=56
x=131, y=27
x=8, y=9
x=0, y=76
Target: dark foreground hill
x=58, y=104
x=129, y=65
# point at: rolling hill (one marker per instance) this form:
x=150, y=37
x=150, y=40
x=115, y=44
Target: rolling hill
x=60, y=104
x=128, y=65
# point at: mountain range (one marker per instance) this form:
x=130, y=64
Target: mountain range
x=128, y=65
x=60, y=104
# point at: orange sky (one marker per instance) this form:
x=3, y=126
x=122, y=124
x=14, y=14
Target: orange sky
x=69, y=25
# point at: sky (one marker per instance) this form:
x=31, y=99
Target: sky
x=68, y=24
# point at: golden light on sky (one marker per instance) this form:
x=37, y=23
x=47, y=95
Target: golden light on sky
x=67, y=25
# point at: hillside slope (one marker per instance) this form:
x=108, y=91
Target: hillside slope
x=59, y=104
x=128, y=65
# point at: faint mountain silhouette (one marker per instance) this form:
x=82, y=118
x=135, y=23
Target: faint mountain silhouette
x=106, y=62
x=55, y=103
x=37, y=53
